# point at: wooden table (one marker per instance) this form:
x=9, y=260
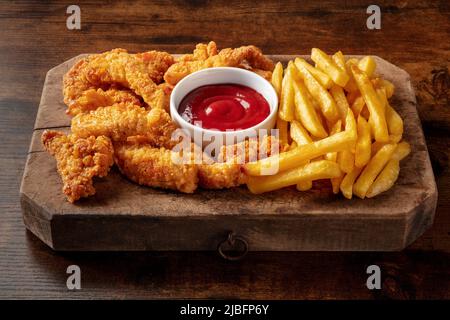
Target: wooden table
x=414, y=35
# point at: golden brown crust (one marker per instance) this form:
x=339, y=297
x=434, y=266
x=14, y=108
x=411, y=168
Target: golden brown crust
x=121, y=121
x=79, y=160
x=248, y=57
x=155, y=167
x=92, y=99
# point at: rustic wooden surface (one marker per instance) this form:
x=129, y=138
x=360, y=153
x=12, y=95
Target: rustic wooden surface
x=277, y=221
x=414, y=35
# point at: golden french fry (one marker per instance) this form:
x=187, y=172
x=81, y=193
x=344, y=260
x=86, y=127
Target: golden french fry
x=373, y=103
x=301, y=136
x=388, y=86
x=332, y=156
x=394, y=121
x=339, y=59
x=326, y=102
x=277, y=78
x=373, y=168
x=286, y=110
x=304, y=185
x=293, y=158
x=312, y=171
x=336, y=182
x=346, y=161
x=385, y=179
x=341, y=101
x=367, y=65
x=363, y=144
x=358, y=105
x=351, y=86
x=320, y=76
x=282, y=127
x=327, y=65
x=348, y=181
x=402, y=151
x=305, y=112
x=299, y=133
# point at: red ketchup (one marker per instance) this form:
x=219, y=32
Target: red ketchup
x=224, y=107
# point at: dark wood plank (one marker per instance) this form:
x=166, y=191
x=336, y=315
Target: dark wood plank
x=414, y=36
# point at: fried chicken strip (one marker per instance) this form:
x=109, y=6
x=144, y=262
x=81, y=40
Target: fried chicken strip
x=121, y=121
x=78, y=161
x=92, y=99
x=141, y=72
x=228, y=171
x=155, y=167
x=249, y=56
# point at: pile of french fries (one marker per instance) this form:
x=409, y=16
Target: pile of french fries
x=335, y=122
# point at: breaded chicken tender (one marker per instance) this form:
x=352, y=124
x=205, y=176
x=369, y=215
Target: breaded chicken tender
x=79, y=160
x=92, y=99
x=248, y=57
x=156, y=167
x=122, y=121
x=142, y=73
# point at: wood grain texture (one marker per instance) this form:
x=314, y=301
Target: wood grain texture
x=284, y=220
x=414, y=36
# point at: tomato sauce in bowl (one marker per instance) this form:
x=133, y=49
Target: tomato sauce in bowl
x=224, y=107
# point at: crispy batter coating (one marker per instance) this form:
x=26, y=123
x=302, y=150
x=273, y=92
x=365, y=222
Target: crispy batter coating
x=141, y=72
x=121, y=121
x=92, y=99
x=155, y=167
x=75, y=82
x=249, y=57
x=228, y=171
x=79, y=160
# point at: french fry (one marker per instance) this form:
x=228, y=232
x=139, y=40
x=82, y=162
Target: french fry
x=363, y=144
x=301, y=137
x=339, y=59
x=402, y=151
x=293, y=145
x=286, y=111
x=305, y=112
x=326, y=102
x=379, y=83
x=394, y=121
x=336, y=182
x=341, y=101
x=358, y=105
x=373, y=168
x=277, y=78
x=299, y=133
x=346, y=186
x=385, y=179
x=293, y=158
x=320, y=76
x=332, y=156
x=367, y=65
x=373, y=103
x=346, y=161
x=282, y=127
x=327, y=65
x=351, y=84
x=312, y=171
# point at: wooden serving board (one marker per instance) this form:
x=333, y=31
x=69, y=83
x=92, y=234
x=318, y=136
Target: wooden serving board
x=125, y=216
